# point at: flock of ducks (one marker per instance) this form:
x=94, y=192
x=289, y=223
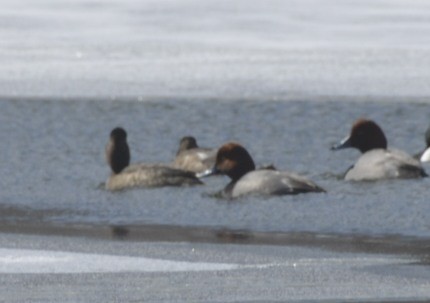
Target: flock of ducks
x=192, y=163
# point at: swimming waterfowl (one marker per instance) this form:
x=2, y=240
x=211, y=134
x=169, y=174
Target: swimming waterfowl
x=125, y=175
x=377, y=161
x=424, y=156
x=193, y=158
x=234, y=161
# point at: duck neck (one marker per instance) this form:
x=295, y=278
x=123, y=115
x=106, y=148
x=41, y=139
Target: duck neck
x=241, y=170
x=119, y=157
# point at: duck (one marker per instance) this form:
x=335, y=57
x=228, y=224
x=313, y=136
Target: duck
x=424, y=156
x=233, y=160
x=377, y=161
x=125, y=175
x=193, y=158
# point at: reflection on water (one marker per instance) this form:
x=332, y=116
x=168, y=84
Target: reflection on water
x=120, y=232
x=55, y=165
x=360, y=243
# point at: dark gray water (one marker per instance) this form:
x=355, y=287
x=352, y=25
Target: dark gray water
x=53, y=164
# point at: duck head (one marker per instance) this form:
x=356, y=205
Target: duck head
x=233, y=160
x=117, y=150
x=365, y=135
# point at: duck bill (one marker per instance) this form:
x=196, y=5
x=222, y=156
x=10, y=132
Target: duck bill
x=207, y=173
x=345, y=143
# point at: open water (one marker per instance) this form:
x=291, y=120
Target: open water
x=55, y=164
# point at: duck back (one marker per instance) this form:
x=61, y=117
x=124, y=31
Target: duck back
x=385, y=164
x=196, y=160
x=271, y=182
x=144, y=175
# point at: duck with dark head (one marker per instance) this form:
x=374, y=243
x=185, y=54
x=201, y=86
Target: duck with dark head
x=377, y=161
x=192, y=157
x=234, y=161
x=125, y=175
x=424, y=156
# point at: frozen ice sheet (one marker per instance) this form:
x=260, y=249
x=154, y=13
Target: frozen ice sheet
x=51, y=262
x=26, y=261
x=241, y=49
x=72, y=269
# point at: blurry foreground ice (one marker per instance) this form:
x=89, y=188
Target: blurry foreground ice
x=50, y=262
x=43, y=261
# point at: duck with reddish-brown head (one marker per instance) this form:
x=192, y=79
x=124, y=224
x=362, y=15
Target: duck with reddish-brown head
x=377, y=160
x=234, y=161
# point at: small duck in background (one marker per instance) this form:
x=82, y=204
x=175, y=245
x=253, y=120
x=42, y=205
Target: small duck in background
x=234, y=161
x=377, y=162
x=424, y=156
x=193, y=158
x=125, y=175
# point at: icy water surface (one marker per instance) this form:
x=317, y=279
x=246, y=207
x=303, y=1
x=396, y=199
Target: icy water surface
x=53, y=164
x=74, y=69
